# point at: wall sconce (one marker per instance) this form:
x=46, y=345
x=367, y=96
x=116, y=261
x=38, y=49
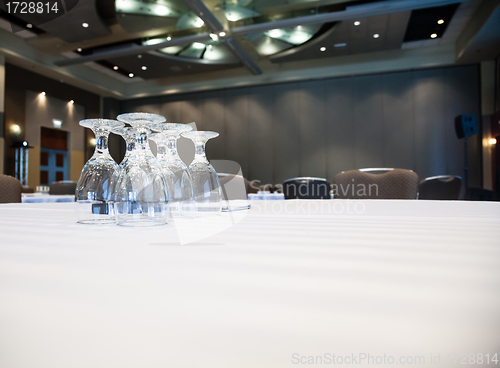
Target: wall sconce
x=492, y=141
x=57, y=123
x=15, y=130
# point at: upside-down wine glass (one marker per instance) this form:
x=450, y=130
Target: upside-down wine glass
x=181, y=201
x=97, y=180
x=141, y=193
x=206, y=185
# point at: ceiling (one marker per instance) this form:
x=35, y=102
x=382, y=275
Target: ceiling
x=137, y=48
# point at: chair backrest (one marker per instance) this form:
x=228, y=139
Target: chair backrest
x=442, y=187
x=27, y=189
x=306, y=188
x=390, y=184
x=10, y=189
x=63, y=187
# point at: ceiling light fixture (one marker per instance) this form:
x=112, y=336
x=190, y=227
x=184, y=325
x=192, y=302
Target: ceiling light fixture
x=492, y=141
x=322, y=48
x=376, y=35
x=131, y=75
x=79, y=49
x=139, y=56
x=357, y=23
x=85, y=25
x=115, y=67
x=434, y=35
x=72, y=102
x=441, y=21
x=29, y=25
x=169, y=38
x=214, y=37
x=43, y=93
x=144, y=67
x=222, y=34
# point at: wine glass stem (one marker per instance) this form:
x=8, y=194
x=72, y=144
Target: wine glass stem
x=161, y=149
x=101, y=145
x=199, y=153
x=172, y=147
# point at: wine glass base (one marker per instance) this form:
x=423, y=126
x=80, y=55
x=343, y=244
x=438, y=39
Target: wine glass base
x=110, y=221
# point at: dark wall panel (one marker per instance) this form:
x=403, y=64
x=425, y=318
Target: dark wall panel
x=458, y=80
x=369, y=121
x=399, y=126
x=430, y=121
x=323, y=127
x=260, y=134
x=312, y=133
x=340, y=129
x=285, y=135
x=236, y=128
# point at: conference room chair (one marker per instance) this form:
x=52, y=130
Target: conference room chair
x=306, y=188
x=27, y=189
x=375, y=184
x=442, y=187
x=10, y=189
x=62, y=187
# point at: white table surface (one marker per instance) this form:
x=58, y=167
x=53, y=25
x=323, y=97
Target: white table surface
x=285, y=281
x=46, y=198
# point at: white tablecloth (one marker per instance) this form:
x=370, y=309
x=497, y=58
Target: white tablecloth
x=289, y=283
x=46, y=198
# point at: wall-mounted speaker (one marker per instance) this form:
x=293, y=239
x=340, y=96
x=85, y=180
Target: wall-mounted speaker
x=465, y=125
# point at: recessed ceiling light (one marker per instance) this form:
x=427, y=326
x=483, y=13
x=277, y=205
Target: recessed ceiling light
x=79, y=49
x=115, y=67
x=322, y=48
x=376, y=35
x=222, y=34
x=131, y=75
x=357, y=23
x=29, y=25
x=441, y=21
x=169, y=38
x=85, y=25
x=434, y=35
x=139, y=56
x=72, y=102
x=144, y=67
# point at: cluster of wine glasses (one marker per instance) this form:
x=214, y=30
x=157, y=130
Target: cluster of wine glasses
x=144, y=190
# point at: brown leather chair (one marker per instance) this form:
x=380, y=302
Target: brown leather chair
x=375, y=184
x=63, y=187
x=10, y=189
x=442, y=187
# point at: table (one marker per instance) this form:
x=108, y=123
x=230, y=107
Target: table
x=45, y=198
x=282, y=284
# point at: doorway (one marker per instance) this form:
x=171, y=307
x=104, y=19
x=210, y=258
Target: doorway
x=53, y=155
